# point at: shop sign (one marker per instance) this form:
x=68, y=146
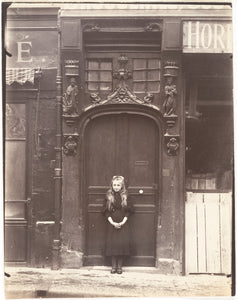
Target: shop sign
x=207, y=37
x=31, y=49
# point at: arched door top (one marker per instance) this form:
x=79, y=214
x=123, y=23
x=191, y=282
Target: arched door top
x=115, y=109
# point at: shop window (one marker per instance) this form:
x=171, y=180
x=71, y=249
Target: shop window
x=209, y=149
x=209, y=133
x=146, y=75
x=99, y=75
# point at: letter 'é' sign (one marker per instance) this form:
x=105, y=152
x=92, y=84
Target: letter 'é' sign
x=31, y=48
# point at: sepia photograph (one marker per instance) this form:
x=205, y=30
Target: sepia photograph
x=118, y=149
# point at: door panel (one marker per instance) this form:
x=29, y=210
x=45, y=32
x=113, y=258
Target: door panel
x=15, y=183
x=15, y=169
x=101, y=151
x=141, y=152
x=123, y=145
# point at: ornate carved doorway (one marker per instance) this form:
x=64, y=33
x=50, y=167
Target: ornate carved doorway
x=122, y=143
x=125, y=144
x=125, y=121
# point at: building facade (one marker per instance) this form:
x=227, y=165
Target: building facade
x=143, y=91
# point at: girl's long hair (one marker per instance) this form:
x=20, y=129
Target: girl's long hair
x=110, y=193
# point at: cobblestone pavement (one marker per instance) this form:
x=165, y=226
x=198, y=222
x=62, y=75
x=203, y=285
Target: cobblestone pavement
x=89, y=282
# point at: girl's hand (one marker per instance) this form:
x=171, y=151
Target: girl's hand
x=117, y=225
x=123, y=222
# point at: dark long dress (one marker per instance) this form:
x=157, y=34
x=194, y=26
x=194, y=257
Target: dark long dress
x=118, y=240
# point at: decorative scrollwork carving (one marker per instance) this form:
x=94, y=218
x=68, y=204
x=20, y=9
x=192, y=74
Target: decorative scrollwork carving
x=122, y=73
x=149, y=98
x=172, y=144
x=95, y=98
x=91, y=27
x=122, y=93
x=153, y=27
x=70, y=144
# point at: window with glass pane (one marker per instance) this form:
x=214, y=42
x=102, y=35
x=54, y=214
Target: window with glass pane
x=99, y=75
x=146, y=75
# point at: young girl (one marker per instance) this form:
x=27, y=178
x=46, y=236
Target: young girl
x=117, y=212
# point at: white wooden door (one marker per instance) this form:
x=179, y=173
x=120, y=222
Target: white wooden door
x=208, y=232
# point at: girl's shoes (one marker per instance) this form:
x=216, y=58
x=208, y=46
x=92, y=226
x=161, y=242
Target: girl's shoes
x=118, y=271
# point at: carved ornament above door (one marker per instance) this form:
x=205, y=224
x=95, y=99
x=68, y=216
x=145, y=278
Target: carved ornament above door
x=122, y=93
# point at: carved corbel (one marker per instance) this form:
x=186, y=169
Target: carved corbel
x=70, y=144
x=172, y=144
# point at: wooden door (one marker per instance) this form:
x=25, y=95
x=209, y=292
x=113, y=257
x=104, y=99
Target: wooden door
x=127, y=145
x=208, y=232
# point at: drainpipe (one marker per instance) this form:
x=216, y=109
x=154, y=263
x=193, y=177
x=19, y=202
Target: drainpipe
x=58, y=160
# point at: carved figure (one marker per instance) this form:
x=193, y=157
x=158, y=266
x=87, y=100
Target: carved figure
x=172, y=146
x=70, y=146
x=170, y=97
x=70, y=98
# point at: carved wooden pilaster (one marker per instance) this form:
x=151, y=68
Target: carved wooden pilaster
x=170, y=95
x=71, y=95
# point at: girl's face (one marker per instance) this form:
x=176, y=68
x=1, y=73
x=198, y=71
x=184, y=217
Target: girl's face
x=116, y=185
